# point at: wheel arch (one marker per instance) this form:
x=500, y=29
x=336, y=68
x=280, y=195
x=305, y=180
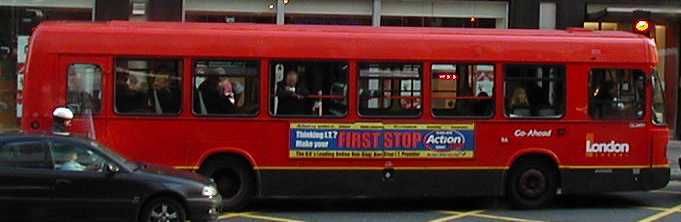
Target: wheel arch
x=227, y=151
x=165, y=193
x=240, y=154
x=539, y=154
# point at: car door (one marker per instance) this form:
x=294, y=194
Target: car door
x=84, y=189
x=26, y=179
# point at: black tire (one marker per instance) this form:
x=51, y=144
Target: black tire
x=234, y=179
x=163, y=209
x=531, y=185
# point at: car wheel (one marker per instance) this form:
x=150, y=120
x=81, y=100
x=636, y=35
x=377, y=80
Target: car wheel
x=531, y=185
x=163, y=210
x=234, y=179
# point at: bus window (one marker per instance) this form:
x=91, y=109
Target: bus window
x=390, y=89
x=84, y=88
x=658, y=99
x=616, y=94
x=534, y=91
x=148, y=86
x=309, y=88
x=223, y=87
x=462, y=90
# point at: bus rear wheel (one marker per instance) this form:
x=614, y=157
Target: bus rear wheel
x=532, y=184
x=234, y=179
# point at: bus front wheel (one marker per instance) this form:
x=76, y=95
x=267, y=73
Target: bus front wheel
x=234, y=179
x=532, y=184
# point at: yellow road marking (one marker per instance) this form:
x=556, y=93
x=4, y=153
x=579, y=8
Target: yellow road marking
x=662, y=214
x=456, y=216
x=655, y=208
x=231, y=215
x=502, y=218
x=253, y=216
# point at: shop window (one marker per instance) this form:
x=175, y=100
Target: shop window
x=535, y=91
x=225, y=87
x=462, y=90
x=309, y=88
x=390, y=89
x=616, y=94
x=417, y=21
x=328, y=19
x=148, y=86
x=218, y=17
x=24, y=154
x=84, y=89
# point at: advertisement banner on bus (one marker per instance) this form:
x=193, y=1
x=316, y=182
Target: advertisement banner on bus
x=377, y=140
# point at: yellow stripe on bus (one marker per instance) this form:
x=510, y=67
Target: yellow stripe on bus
x=438, y=168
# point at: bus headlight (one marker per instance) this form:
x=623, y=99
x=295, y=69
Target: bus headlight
x=209, y=191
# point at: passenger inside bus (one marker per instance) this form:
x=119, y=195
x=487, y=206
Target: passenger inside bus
x=520, y=105
x=602, y=100
x=484, y=105
x=219, y=96
x=130, y=95
x=291, y=95
x=164, y=96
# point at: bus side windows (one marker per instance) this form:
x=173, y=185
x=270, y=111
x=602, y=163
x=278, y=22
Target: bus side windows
x=616, y=94
x=309, y=88
x=534, y=91
x=390, y=89
x=223, y=87
x=84, y=88
x=148, y=86
x=462, y=90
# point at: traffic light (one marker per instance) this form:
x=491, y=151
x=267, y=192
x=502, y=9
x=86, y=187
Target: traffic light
x=642, y=23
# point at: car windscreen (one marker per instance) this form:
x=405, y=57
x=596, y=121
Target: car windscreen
x=113, y=154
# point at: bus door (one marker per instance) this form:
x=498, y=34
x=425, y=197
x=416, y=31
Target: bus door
x=617, y=135
x=85, y=79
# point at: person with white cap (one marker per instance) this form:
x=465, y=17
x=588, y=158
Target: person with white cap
x=62, y=121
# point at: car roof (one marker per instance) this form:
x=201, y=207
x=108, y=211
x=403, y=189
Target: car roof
x=40, y=135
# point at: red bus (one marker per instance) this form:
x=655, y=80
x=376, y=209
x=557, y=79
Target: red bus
x=334, y=111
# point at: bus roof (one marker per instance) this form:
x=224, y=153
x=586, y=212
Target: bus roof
x=342, y=42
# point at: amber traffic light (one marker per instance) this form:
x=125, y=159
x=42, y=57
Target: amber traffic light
x=642, y=23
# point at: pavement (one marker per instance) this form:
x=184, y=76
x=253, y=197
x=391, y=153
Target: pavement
x=673, y=154
x=648, y=206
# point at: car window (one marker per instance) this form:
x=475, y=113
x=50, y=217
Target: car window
x=75, y=157
x=24, y=154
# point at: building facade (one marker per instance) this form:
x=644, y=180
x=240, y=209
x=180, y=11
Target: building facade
x=19, y=17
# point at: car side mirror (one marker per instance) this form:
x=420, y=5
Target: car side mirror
x=112, y=169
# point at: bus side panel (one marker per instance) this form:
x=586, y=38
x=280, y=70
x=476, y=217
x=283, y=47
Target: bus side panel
x=40, y=82
x=362, y=183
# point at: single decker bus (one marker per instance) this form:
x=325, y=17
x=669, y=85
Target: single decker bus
x=306, y=111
